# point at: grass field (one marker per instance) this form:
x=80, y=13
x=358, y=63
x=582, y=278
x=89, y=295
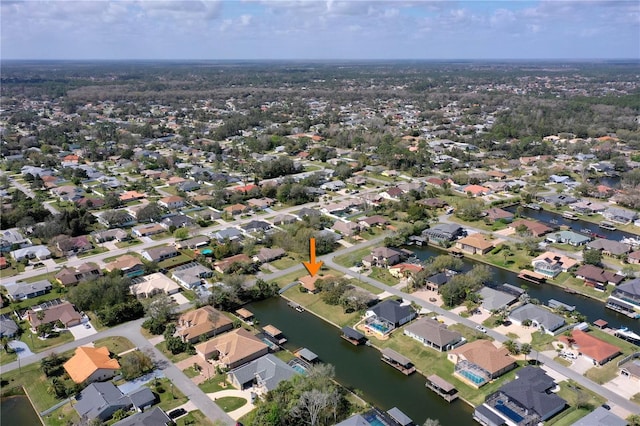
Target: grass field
x=128, y=243
x=230, y=403
x=384, y=276
x=96, y=250
x=116, y=344
x=63, y=416
x=350, y=259
x=213, y=384
x=581, y=401
x=194, y=418
x=286, y=262
x=313, y=303
x=170, y=397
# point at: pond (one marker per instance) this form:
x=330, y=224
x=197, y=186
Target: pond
x=17, y=410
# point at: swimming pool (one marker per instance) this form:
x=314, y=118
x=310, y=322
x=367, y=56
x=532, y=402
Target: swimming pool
x=508, y=412
x=207, y=252
x=378, y=327
x=373, y=420
x=300, y=369
x=472, y=377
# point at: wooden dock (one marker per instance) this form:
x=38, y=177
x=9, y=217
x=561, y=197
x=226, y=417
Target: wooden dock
x=397, y=361
x=532, y=277
x=443, y=388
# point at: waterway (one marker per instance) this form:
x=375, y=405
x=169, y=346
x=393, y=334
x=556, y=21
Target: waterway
x=360, y=367
x=554, y=220
x=591, y=308
x=17, y=410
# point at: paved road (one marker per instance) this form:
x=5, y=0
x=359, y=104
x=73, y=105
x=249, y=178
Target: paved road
x=580, y=379
x=29, y=193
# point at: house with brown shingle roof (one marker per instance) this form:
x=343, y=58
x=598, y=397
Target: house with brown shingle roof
x=64, y=312
x=475, y=244
x=225, y=264
x=131, y=196
x=132, y=266
x=309, y=282
x=236, y=209
x=91, y=365
x=595, y=350
x=483, y=355
x=536, y=229
x=233, y=349
x=206, y=321
x=495, y=213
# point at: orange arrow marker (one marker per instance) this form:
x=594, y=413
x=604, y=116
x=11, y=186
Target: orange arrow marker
x=312, y=266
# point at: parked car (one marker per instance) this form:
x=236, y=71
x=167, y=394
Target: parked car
x=177, y=413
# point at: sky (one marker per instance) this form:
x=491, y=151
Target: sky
x=315, y=29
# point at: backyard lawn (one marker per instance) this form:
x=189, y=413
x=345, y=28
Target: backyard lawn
x=214, y=384
x=194, y=418
x=63, y=416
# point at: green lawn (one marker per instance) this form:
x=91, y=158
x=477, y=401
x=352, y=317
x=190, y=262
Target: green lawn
x=34, y=382
x=541, y=341
x=213, y=384
x=366, y=286
x=230, y=403
x=194, y=418
x=575, y=395
x=289, y=278
x=63, y=416
x=10, y=272
x=469, y=333
x=129, y=243
x=116, y=344
x=285, y=262
x=96, y=250
x=350, y=259
x=9, y=308
x=169, y=396
x=39, y=345
x=191, y=372
x=384, y=276
x=313, y=303
x=178, y=260
x=285, y=356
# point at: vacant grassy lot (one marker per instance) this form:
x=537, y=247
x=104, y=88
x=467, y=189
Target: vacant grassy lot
x=96, y=250
x=194, y=418
x=170, y=397
x=116, y=344
x=313, y=303
x=350, y=259
x=384, y=276
x=286, y=262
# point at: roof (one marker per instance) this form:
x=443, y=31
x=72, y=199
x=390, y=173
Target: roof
x=244, y=313
x=392, y=310
x=152, y=417
x=600, y=417
x=233, y=346
x=542, y=316
x=395, y=356
x=307, y=355
x=202, y=321
x=142, y=397
x=493, y=299
x=309, y=282
x=553, y=258
x=268, y=369
x=64, y=312
x=485, y=355
x=441, y=383
x=530, y=389
x=613, y=247
x=477, y=241
x=631, y=287
x=16, y=289
x=98, y=398
x=399, y=416
x=351, y=333
x=536, y=228
x=87, y=360
x=124, y=262
x=271, y=330
x=594, y=273
x=152, y=283
x=8, y=327
x=593, y=347
x=434, y=332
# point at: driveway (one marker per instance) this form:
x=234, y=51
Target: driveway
x=581, y=365
x=624, y=386
x=246, y=394
x=134, y=384
x=81, y=330
x=180, y=299
x=21, y=348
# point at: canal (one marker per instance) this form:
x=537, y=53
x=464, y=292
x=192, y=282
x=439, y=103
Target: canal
x=359, y=367
x=17, y=410
x=555, y=220
x=591, y=308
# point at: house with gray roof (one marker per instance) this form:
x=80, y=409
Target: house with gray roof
x=23, y=290
x=391, y=312
x=618, y=215
x=8, y=327
x=232, y=234
x=101, y=399
x=600, y=417
x=191, y=274
x=443, y=232
x=153, y=417
x=568, y=237
x=431, y=333
x=527, y=400
x=158, y=254
x=494, y=300
x=12, y=239
x=609, y=247
x=626, y=297
x=40, y=252
x=265, y=372
x=541, y=318
x=557, y=199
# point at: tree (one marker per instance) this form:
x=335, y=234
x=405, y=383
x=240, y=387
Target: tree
x=150, y=212
x=525, y=349
x=512, y=347
x=592, y=257
x=311, y=404
x=135, y=364
x=181, y=234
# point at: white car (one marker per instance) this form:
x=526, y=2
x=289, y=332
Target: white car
x=481, y=329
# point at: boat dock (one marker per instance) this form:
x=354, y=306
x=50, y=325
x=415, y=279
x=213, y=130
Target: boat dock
x=353, y=336
x=443, y=388
x=397, y=361
x=554, y=304
x=532, y=277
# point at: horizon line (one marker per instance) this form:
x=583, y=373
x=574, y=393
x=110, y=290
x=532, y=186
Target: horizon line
x=637, y=59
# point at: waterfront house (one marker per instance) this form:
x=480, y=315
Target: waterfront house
x=534, y=228
x=609, y=247
x=595, y=350
x=480, y=361
x=89, y=365
x=158, y=254
x=63, y=312
x=202, y=323
x=388, y=315
x=150, y=285
x=385, y=256
x=551, y=264
x=626, y=298
x=495, y=300
x=20, y=290
x=527, y=400
x=495, y=214
x=568, y=237
x=102, y=400
x=541, y=318
x=405, y=270
x=597, y=277
x=619, y=215
x=431, y=333
x=264, y=373
x=475, y=244
x=557, y=199
x=435, y=281
x=443, y=232
x=233, y=349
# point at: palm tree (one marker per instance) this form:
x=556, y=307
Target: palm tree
x=525, y=349
x=511, y=346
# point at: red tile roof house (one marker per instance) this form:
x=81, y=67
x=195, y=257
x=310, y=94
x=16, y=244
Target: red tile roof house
x=172, y=202
x=598, y=277
x=405, y=270
x=494, y=214
x=595, y=350
x=476, y=190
